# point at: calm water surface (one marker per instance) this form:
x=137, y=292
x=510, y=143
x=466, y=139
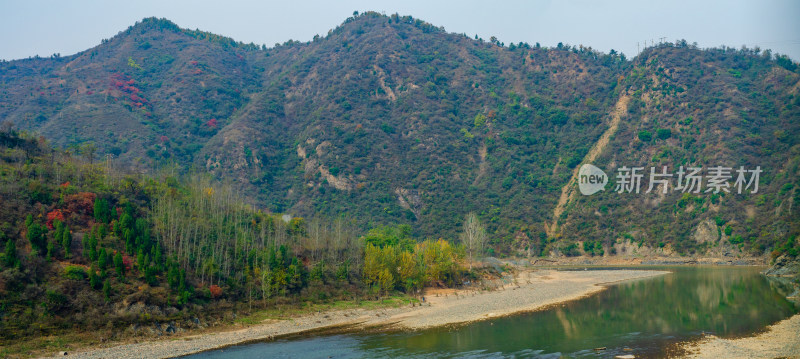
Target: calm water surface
x=644, y=315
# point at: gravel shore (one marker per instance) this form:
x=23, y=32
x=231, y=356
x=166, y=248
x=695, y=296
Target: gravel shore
x=530, y=291
x=782, y=340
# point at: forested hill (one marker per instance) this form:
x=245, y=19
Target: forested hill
x=393, y=120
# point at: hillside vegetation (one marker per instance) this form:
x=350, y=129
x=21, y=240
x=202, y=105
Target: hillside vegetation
x=86, y=247
x=392, y=120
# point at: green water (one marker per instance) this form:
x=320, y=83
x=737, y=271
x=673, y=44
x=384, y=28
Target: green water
x=645, y=315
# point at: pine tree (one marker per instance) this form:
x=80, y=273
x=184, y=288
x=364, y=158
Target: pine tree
x=94, y=279
x=157, y=257
x=93, y=247
x=50, y=250
x=119, y=265
x=140, y=260
x=102, y=213
x=107, y=289
x=102, y=259
x=150, y=276
x=10, y=254
x=58, y=227
x=66, y=241
x=172, y=277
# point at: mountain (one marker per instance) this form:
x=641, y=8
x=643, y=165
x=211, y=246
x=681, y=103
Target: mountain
x=389, y=119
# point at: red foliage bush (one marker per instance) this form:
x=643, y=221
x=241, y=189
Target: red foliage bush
x=212, y=123
x=215, y=290
x=125, y=85
x=82, y=202
x=54, y=215
x=127, y=261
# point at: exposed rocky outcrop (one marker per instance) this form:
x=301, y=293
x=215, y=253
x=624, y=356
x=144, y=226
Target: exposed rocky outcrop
x=784, y=266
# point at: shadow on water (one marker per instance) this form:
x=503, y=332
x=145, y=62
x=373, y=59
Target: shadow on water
x=641, y=317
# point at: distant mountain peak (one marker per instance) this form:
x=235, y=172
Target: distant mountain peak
x=150, y=24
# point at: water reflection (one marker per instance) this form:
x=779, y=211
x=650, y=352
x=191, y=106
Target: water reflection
x=643, y=315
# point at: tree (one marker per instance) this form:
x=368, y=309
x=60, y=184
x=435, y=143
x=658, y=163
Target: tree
x=102, y=259
x=663, y=133
x=88, y=150
x=50, y=249
x=58, y=227
x=473, y=237
x=107, y=289
x=90, y=246
x=399, y=236
x=408, y=269
x=372, y=264
x=438, y=261
x=66, y=241
x=295, y=275
x=36, y=235
x=343, y=271
x=266, y=284
x=385, y=280
x=102, y=212
x=119, y=265
x=94, y=279
x=10, y=254
x=140, y=260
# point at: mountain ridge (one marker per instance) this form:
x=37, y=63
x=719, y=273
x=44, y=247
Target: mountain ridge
x=391, y=119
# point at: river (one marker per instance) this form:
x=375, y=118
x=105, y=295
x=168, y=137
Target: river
x=644, y=317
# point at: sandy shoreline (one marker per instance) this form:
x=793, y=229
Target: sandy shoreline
x=781, y=340
x=532, y=291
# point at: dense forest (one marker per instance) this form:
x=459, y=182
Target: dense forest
x=85, y=245
x=393, y=120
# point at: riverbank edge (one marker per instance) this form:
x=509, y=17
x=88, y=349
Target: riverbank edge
x=335, y=321
x=778, y=340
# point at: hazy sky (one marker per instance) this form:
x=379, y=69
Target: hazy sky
x=32, y=27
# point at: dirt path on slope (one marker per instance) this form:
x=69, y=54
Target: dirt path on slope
x=568, y=191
